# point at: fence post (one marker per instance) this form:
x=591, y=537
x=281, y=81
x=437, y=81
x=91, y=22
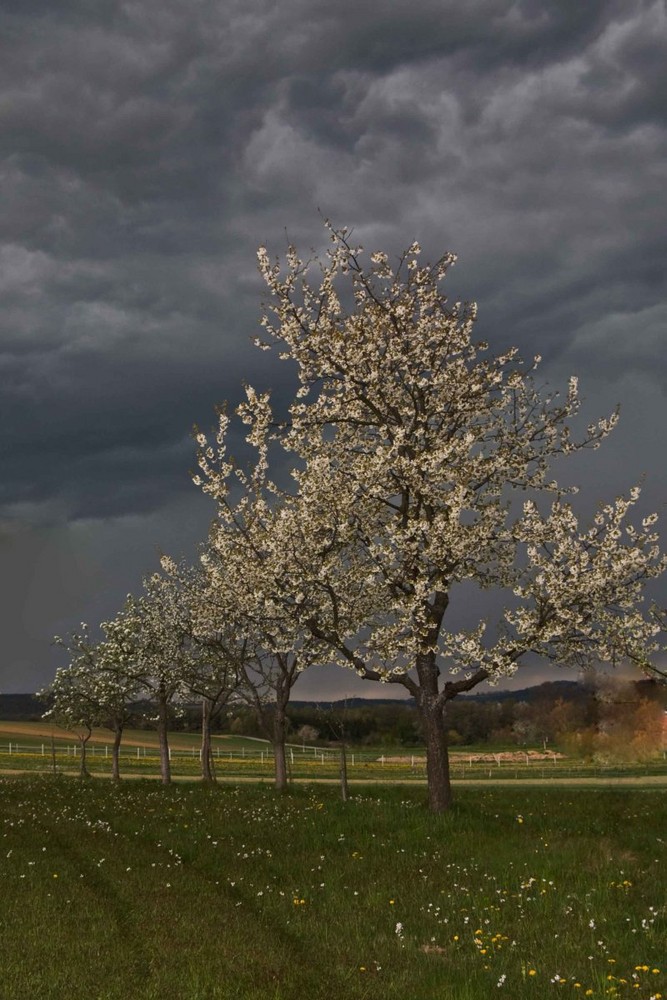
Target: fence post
x=43, y=750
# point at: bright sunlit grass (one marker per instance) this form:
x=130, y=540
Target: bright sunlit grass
x=187, y=892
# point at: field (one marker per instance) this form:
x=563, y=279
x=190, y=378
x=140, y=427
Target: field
x=28, y=746
x=197, y=893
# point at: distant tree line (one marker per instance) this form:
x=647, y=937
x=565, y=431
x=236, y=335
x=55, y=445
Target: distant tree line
x=607, y=717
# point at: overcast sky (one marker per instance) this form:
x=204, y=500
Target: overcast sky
x=148, y=148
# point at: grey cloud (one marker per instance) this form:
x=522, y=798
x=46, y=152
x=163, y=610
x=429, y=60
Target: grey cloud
x=148, y=148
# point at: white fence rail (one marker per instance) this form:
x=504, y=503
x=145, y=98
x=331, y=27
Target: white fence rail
x=294, y=753
x=408, y=765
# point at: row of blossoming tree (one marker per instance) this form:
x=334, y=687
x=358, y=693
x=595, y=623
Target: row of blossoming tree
x=410, y=465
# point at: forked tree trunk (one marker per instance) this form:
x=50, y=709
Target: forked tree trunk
x=206, y=755
x=163, y=739
x=115, y=753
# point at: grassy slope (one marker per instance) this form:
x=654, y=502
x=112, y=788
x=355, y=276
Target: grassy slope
x=36, y=733
x=193, y=893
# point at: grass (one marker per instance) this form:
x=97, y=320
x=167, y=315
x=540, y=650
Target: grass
x=236, y=893
x=244, y=757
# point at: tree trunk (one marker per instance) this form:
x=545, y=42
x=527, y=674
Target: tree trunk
x=115, y=753
x=279, y=728
x=432, y=719
x=206, y=755
x=343, y=773
x=83, y=770
x=163, y=739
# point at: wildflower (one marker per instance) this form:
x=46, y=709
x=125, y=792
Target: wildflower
x=399, y=929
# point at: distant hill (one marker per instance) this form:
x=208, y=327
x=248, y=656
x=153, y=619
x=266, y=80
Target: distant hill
x=27, y=707
x=548, y=691
x=21, y=707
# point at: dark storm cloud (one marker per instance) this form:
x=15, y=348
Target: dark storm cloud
x=147, y=149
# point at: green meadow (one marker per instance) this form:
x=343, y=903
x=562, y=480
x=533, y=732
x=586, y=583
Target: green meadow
x=194, y=893
x=39, y=747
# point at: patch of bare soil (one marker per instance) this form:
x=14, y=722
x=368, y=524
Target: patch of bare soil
x=506, y=757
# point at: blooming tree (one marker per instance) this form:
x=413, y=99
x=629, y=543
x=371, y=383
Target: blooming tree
x=98, y=672
x=422, y=466
x=155, y=651
x=73, y=704
x=214, y=670
x=254, y=622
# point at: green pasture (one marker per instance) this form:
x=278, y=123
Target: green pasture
x=39, y=748
x=237, y=893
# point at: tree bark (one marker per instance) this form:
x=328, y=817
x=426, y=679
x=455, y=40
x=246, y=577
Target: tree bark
x=437, y=756
x=163, y=739
x=206, y=755
x=343, y=773
x=83, y=770
x=279, y=735
x=431, y=714
x=115, y=753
